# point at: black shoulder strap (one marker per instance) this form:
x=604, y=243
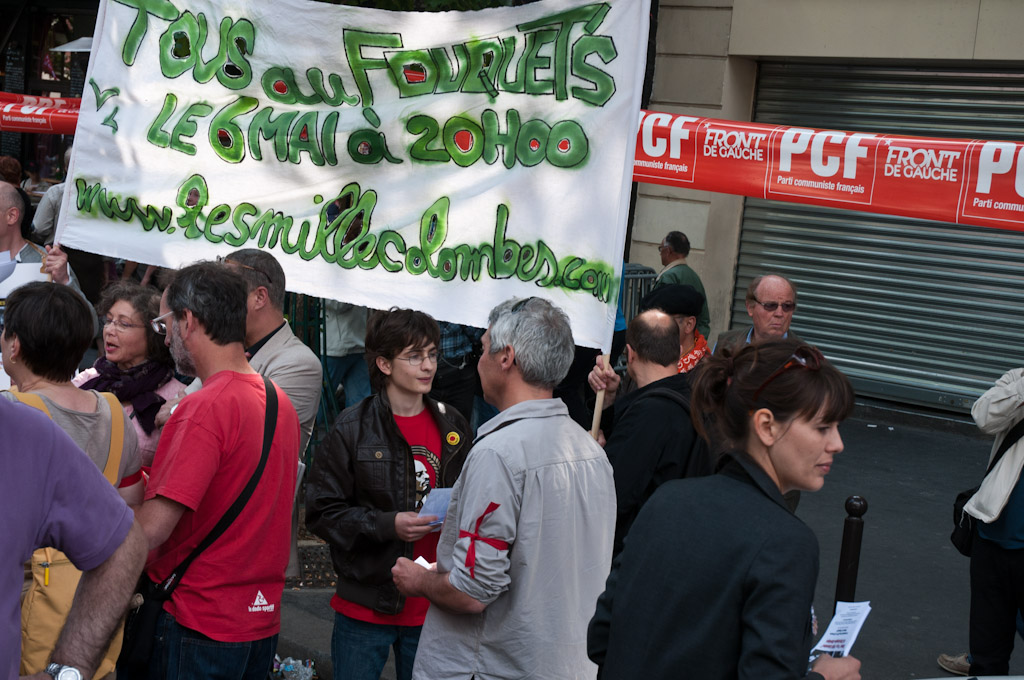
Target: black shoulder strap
x=666, y=393
x=1015, y=433
x=269, y=424
x=699, y=462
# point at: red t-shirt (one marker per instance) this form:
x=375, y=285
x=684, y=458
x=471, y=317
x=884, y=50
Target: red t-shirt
x=208, y=451
x=421, y=432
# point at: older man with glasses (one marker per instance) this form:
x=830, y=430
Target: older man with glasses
x=674, y=250
x=771, y=301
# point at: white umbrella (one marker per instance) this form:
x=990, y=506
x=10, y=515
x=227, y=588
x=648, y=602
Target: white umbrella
x=77, y=45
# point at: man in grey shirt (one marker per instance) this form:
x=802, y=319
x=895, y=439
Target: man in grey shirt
x=526, y=546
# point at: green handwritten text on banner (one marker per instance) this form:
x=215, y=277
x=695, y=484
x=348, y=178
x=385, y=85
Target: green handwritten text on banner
x=443, y=161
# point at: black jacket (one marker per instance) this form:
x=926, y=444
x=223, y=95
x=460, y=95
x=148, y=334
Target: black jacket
x=652, y=441
x=362, y=477
x=716, y=578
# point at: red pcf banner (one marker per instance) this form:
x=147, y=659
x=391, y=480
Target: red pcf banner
x=30, y=118
x=32, y=100
x=960, y=181
x=951, y=180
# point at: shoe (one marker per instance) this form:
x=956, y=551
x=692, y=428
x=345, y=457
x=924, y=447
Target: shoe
x=956, y=664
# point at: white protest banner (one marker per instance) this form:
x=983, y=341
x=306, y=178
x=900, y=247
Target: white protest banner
x=13, y=275
x=440, y=161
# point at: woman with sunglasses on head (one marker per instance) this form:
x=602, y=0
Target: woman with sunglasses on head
x=717, y=576
x=136, y=365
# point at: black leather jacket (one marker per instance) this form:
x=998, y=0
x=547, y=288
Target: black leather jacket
x=362, y=477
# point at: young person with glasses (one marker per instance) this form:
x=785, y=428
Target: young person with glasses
x=717, y=576
x=367, y=487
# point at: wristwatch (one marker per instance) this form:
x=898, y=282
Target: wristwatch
x=60, y=672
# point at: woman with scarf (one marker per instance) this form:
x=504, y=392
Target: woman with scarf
x=137, y=366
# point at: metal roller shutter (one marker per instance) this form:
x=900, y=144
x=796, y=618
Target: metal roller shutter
x=912, y=310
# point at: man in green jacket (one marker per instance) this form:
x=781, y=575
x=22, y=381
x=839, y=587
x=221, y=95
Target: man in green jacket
x=673, y=250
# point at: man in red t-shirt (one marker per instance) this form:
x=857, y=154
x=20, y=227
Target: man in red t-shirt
x=367, y=486
x=226, y=611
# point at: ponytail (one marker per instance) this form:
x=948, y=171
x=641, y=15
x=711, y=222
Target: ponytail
x=731, y=385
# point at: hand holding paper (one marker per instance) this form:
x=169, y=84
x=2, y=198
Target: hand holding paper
x=436, y=503
x=843, y=629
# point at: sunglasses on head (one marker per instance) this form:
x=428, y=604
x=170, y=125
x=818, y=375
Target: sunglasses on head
x=805, y=356
x=224, y=260
x=787, y=307
x=521, y=304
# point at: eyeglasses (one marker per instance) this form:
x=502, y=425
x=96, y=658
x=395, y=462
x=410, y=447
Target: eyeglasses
x=121, y=326
x=663, y=247
x=805, y=356
x=417, y=359
x=235, y=263
x=787, y=307
x=158, y=324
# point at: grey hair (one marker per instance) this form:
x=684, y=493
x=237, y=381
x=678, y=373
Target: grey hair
x=215, y=295
x=539, y=333
x=260, y=268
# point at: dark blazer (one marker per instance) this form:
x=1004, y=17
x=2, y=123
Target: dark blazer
x=716, y=580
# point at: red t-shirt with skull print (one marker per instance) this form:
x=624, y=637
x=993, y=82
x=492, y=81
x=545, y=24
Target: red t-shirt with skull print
x=422, y=434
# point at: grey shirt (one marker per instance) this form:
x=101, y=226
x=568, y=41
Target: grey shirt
x=91, y=431
x=45, y=222
x=536, y=504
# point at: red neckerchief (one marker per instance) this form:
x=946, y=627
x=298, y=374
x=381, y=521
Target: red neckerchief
x=475, y=536
x=689, y=361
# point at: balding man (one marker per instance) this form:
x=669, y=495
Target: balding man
x=651, y=438
x=771, y=301
x=682, y=304
x=14, y=207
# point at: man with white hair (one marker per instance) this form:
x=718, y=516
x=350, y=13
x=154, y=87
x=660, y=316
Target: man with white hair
x=527, y=542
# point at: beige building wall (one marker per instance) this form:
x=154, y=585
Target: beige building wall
x=706, y=65
x=695, y=75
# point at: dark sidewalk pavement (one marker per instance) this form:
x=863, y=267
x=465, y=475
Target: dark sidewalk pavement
x=917, y=582
x=909, y=469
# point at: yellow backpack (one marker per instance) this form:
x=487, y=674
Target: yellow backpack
x=46, y=601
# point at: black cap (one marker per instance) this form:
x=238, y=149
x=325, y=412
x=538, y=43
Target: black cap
x=675, y=298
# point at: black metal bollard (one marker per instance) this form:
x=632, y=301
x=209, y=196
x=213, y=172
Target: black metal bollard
x=849, y=554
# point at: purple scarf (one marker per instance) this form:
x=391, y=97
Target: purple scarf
x=137, y=385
